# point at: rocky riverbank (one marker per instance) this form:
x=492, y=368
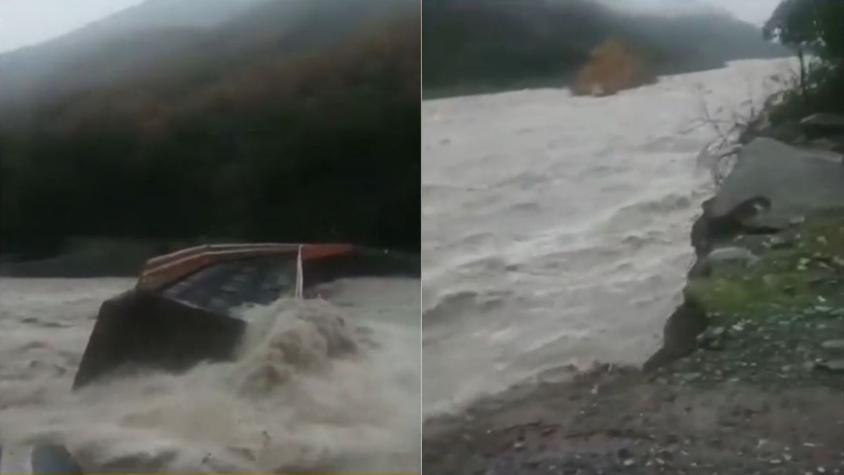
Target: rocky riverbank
x=750, y=378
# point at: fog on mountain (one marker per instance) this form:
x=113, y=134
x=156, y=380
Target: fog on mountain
x=477, y=45
x=256, y=119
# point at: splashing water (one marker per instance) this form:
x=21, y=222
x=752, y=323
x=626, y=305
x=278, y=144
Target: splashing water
x=319, y=385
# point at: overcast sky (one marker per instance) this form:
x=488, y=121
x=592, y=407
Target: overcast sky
x=26, y=22
x=753, y=11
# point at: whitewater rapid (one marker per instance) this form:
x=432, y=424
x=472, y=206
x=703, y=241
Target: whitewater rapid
x=555, y=229
x=329, y=384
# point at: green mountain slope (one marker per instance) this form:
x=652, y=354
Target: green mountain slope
x=291, y=120
x=486, y=45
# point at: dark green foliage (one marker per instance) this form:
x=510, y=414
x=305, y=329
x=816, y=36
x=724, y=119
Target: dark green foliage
x=312, y=146
x=811, y=27
x=816, y=26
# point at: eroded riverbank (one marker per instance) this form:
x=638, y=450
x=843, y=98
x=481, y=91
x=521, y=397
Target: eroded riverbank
x=556, y=228
x=750, y=377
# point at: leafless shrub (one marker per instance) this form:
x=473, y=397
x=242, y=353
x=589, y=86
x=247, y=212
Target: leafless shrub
x=732, y=130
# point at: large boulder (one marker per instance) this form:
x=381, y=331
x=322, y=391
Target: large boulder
x=771, y=186
x=731, y=255
x=794, y=181
x=711, y=229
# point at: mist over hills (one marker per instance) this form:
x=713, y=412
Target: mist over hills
x=268, y=119
x=487, y=45
x=172, y=40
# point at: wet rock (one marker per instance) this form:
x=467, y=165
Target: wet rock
x=836, y=366
x=818, y=125
x=788, y=132
x=712, y=338
x=832, y=144
x=715, y=226
x=680, y=334
x=833, y=345
x=780, y=242
x=728, y=255
x=736, y=255
x=690, y=376
x=778, y=172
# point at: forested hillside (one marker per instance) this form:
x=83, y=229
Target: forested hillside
x=487, y=45
x=287, y=120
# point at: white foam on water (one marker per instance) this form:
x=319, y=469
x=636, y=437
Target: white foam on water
x=555, y=229
x=320, y=385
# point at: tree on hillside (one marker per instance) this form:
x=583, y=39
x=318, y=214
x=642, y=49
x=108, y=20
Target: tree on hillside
x=810, y=27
